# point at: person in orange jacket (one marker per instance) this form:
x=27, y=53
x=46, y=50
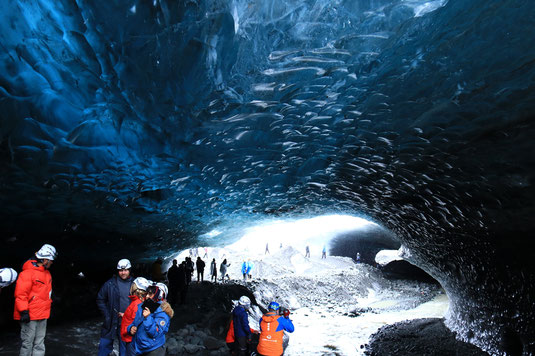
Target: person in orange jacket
x=272, y=327
x=138, y=292
x=33, y=300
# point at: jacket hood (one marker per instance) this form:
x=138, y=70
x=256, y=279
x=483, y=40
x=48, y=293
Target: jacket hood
x=166, y=307
x=30, y=264
x=270, y=317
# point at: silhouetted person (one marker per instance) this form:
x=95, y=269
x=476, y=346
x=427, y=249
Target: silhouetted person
x=156, y=270
x=267, y=249
x=189, y=269
x=174, y=281
x=324, y=253
x=200, y=269
x=307, y=252
x=182, y=282
x=213, y=271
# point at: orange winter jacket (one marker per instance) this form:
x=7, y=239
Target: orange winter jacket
x=128, y=318
x=272, y=327
x=33, y=291
x=230, y=333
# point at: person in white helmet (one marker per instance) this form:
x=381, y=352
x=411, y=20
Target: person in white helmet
x=112, y=300
x=242, y=331
x=7, y=276
x=33, y=300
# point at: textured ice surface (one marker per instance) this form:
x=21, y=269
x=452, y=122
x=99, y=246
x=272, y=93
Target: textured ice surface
x=166, y=119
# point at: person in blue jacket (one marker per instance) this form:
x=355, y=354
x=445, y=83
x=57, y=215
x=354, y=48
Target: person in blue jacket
x=112, y=301
x=242, y=331
x=149, y=328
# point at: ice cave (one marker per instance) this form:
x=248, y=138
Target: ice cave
x=140, y=128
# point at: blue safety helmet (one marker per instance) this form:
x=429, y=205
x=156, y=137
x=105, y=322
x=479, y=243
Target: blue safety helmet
x=274, y=306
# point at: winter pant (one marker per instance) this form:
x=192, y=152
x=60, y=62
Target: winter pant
x=32, y=335
x=200, y=276
x=106, y=347
x=130, y=349
x=242, y=346
x=160, y=351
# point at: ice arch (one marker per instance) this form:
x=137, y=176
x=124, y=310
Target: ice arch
x=152, y=122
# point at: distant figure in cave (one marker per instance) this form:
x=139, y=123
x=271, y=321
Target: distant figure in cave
x=182, y=282
x=112, y=301
x=324, y=253
x=223, y=269
x=205, y=252
x=200, y=269
x=189, y=270
x=244, y=270
x=357, y=258
x=250, y=266
x=307, y=252
x=156, y=270
x=267, y=249
x=213, y=271
x=173, y=276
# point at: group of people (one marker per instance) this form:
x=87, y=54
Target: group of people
x=272, y=327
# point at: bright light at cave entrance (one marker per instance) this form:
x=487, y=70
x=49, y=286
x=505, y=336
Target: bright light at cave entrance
x=315, y=232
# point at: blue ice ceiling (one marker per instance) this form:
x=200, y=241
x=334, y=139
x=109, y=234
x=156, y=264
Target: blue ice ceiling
x=167, y=118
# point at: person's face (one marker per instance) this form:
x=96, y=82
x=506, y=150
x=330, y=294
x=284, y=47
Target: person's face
x=124, y=273
x=47, y=263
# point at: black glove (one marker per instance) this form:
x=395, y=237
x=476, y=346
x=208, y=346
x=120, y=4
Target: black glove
x=24, y=316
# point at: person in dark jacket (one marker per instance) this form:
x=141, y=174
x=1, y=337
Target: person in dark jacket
x=112, y=301
x=242, y=331
x=174, y=280
x=189, y=269
x=200, y=269
x=213, y=271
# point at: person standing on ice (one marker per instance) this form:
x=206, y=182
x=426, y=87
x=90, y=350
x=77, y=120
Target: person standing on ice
x=272, y=327
x=7, y=276
x=307, y=252
x=324, y=253
x=173, y=276
x=200, y=269
x=242, y=331
x=33, y=300
x=250, y=266
x=244, y=270
x=357, y=258
x=223, y=269
x=213, y=271
x=112, y=301
x=267, y=249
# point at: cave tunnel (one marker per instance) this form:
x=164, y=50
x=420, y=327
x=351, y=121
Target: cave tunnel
x=135, y=127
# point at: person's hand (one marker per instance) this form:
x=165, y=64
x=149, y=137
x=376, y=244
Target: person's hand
x=25, y=316
x=120, y=314
x=286, y=313
x=133, y=330
x=146, y=312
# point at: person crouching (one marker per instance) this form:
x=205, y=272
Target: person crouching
x=151, y=322
x=138, y=293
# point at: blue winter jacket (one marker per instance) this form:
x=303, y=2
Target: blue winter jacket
x=108, y=302
x=151, y=330
x=241, y=322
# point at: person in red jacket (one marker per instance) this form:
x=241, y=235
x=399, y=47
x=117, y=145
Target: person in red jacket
x=138, y=292
x=33, y=301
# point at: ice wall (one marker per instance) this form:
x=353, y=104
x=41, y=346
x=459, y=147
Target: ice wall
x=163, y=119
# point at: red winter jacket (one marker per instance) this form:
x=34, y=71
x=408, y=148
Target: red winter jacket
x=128, y=317
x=33, y=291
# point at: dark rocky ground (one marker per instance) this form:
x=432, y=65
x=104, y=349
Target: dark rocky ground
x=419, y=337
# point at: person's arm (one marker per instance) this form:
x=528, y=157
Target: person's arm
x=23, y=289
x=102, y=301
x=137, y=320
x=286, y=324
x=153, y=325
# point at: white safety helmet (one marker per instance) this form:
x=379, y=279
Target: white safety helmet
x=163, y=289
x=7, y=276
x=124, y=264
x=47, y=252
x=245, y=302
x=142, y=283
